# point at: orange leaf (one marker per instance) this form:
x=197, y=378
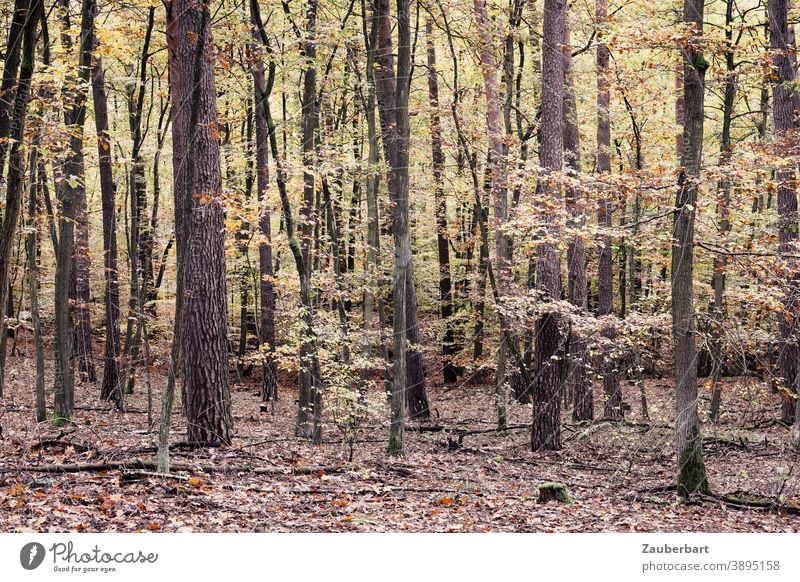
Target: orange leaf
x=153, y=526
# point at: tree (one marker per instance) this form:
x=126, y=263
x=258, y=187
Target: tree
x=199, y=219
x=442, y=234
x=583, y=403
x=546, y=432
x=613, y=394
x=691, y=468
x=388, y=90
x=786, y=101
x=72, y=188
x=498, y=176
x=112, y=388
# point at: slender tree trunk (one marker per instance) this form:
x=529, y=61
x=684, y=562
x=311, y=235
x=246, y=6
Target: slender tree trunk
x=724, y=221
x=605, y=293
x=9, y=81
x=267, y=286
x=16, y=163
x=112, y=388
x=546, y=432
x=583, y=403
x=71, y=187
x=31, y=245
x=691, y=468
x=442, y=235
x=498, y=170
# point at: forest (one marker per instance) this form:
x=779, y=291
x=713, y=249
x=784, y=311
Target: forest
x=409, y=265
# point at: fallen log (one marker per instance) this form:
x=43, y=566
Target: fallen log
x=153, y=466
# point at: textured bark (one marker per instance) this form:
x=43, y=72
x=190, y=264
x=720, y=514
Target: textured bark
x=785, y=105
x=583, y=403
x=546, y=432
x=16, y=162
x=605, y=283
x=691, y=468
x=198, y=198
x=112, y=389
x=442, y=235
x=397, y=127
x=494, y=122
x=71, y=187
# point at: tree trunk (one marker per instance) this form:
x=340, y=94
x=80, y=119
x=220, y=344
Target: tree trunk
x=442, y=235
x=546, y=432
x=785, y=105
x=16, y=162
x=112, y=389
x=605, y=285
x=392, y=95
x=724, y=221
x=269, y=390
x=498, y=171
x=198, y=198
x=71, y=187
x=583, y=402
x=691, y=468
x=10, y=70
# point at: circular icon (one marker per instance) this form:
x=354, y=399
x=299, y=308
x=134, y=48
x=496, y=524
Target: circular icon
x=31, y=555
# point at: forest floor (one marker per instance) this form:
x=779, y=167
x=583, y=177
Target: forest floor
x=620, y=475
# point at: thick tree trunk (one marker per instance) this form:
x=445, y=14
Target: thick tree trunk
x=691, y=468
x=546, y=432
x=198, y=198
x=784, y=111
x=605, y=293
x=112, y=388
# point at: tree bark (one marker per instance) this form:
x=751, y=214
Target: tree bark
x=442, y=235
x=112, y=388
x=785, y=105
x=267, y=286
x=71, y=187
x=605, y=294
x=691, y=468
x=198, y=198
x=546, y=432
x=16, y=162
x=583, y=402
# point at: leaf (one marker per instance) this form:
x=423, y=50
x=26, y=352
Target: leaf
x=153, y=526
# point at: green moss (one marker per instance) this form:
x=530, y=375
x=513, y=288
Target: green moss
x=692, y=474
x=556, y=491
x=61, y=421
x=395, y=448
x=699, y=62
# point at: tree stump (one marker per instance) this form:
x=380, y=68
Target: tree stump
x=554, y=492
